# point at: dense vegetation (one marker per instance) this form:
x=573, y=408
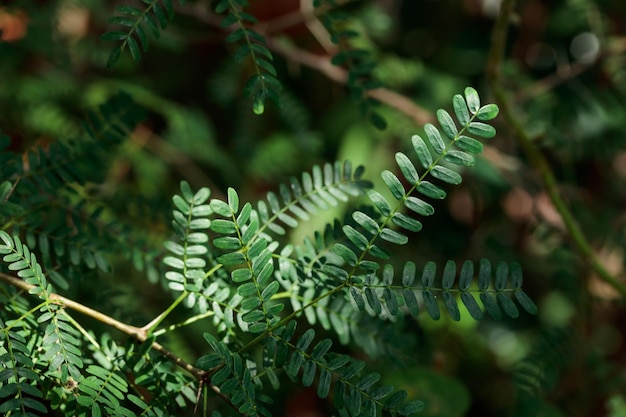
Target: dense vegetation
x=366, y=207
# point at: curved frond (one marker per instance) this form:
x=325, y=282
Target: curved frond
x=316, y=191
x=495, y=293
x=358, y=61
x=19, y=392
x=153, y=18
x=263, y=83
x=355, y=393
x=187, y=256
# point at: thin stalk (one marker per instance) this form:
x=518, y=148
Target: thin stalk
x=535, y=157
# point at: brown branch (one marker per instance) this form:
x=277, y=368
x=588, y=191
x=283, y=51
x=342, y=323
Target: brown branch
x=134, y=332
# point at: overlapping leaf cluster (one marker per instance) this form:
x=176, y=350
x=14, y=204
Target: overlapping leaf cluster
x=152, y=18
x=359, y=61
x=228, y=261
x=263, y=83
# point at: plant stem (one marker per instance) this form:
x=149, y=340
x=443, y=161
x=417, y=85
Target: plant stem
x=535, y=157
x=135, y=332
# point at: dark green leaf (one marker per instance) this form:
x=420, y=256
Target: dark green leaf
x=472, y=306
x=509, y=307
x=526, y=302
x=451, y=305
x=466, y=276
x=432, y=307
x=449, y=275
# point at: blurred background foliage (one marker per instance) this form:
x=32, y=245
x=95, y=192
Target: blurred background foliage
x=565, y=71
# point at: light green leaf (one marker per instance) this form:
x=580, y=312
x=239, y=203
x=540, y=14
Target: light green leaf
x=488, y=112
x=473, y=100
x=423, y=154
x=447, y=124
x=482, y=130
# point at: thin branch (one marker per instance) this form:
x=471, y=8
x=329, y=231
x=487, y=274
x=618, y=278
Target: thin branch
x=135, y=332
x=535, y=157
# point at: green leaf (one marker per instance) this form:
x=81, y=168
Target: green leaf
x=407, y=168
x=488, y=112
x=428, y=274
x=408, y=274
x=346, y=254
x=394, y=184
x=323, y=383
x=526, y=302
x=471, y=145
x=484, y=274
x=460, y=109
x=466, y=276
x=133, y=47
x=113, y=36
x=419, y=206
x=431, y=190
x=431, y=304
x=358, y=298
x=406, y=222
x=447, y=124
x=436, y=141
x=471, y=305
x=459, y=158
x=423, y=154
x=394, y=237
x=380, y=202
x=449, y=275
x=451, y=305
x=473, y=101
x=373, y=301
x=491, y=306
x=509, y=307
x=411, y=301
x=233, y=200
x=482, y=130
x=366, y=221
x=446, y=175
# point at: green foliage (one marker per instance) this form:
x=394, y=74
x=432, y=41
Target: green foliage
x=153, y=264
x=226, y=263
x=359, y=61
x=263, y=83
x=152, y=19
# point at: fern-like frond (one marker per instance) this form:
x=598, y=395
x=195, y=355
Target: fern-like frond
x=154, y=17
x=391, y=223
x=19, y=392
x=358, y=61
x=263, y=83
x=187, y=256
x=354, y=394
x=494, y=293
x=321, y=189
x=231, y=375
